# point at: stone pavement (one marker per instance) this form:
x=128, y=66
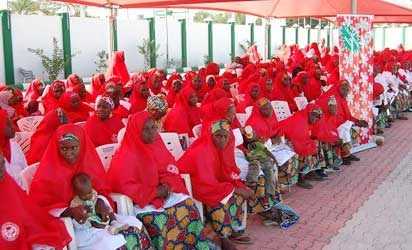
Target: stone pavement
x=326, y=208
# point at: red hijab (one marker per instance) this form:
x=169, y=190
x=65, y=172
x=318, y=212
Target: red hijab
x=118, y=67
x=212, y=69
x=248, y=101
x=213, y=95
x=281, y=92
x=213, y=172
x=325, y=130
x=137, y=169
x=42, y=135
x=72, y=81
x=78, y=114
x=51, y=186
x=217, y=110
x=49, y=101
x=137, y=101
x=297, y=129
x=183, y=117
x=98, y=85
x=4, y=142
x=103, y=132
x=33, y=91
x=264, y=127
x=313, y=88
x=155, y=76
x=23, y=223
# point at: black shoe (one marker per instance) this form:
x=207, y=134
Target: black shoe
x=346, y=161
x=336, y=168
x=353, y=158
x=314, y=177
x=321, y=173
x=304, y=184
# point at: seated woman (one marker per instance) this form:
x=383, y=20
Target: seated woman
x=216, y=183
x=185, y=114
x=6, y=103
x=251, y=96
x=69, y=152
x=282, y=90
x=98, y=85
x=144, y=170
x=297, y=130
x=14, y=159
x=174, y=90
x=223, y=108
x=51, y=98
x=266, y=127
x=25, y=225
x=114, y=91
x=140, y=93
x=74, y=108
x=103, y=126
x=34, y=90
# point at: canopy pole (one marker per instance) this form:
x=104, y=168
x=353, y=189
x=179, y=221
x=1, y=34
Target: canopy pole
x=354, y=6
x=266, y=25
x=112, y=43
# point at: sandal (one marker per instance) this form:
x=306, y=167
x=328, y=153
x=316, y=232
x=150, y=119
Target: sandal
x=241, y=239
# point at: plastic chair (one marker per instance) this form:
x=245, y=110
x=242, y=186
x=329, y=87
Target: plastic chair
x=281, y=109
x=248, y=110
x=188, y=184
x=196, y=130
x=123, y=203
x=23, y=139
x=70, y=229
x=301, y=102
x=27, y=175
x=29, y=123
x=106, y=153
x=172, y=143
x=242, y=118
x=120, y=135
x=238, y=137
x=125, y=104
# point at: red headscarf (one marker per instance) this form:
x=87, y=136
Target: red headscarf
x=49, y=101
x=72, y=81
x=51, y=186
x=103, y=132
x=137, y=169
x=74, y=114
x=248, y=101
x=213, y=95
x=325, y=130
x=33, y=91
x=213, y=172
x=212, y=69
x=313, y=88
x=98, y=85
x=283, y=93
x=217, y=110
x=183, y=117
x=220, y=84
x=24, y=224
x=264, y=127
x=298, y=130
x=4, y=142
x=138, y=103
x=42, y=135
x=156, y=76
x=118, y=67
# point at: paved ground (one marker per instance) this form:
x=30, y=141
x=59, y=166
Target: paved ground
x=330, y=204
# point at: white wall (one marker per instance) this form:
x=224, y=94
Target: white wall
x=276, y=37
x=197, y=43
x=393, y=37
x=303, y=37
x=88, y=37
x=260, y=39
x=130, y=34
x=290, y=36
x=408, y=40
x=378, y=36
x=33, y=32
x=168, y=37
x=221, y=43
x=2, y=74
x=314, y=36
x=242, y=35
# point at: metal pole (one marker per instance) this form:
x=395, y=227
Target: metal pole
x=354, y=6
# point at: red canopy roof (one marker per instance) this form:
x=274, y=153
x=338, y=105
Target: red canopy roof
x=302, y=8
x=138, y=3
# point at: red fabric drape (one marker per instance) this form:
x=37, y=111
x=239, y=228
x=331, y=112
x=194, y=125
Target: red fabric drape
x=103, y=132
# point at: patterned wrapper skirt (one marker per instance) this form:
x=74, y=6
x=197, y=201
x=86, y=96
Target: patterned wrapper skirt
x=288, y=173
x=227, y=219
x=311, y=163
x=178, y=227
x=332, y=155
x=136, y=240
x=263, y=201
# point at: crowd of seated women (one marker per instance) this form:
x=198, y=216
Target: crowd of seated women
x=226, y=175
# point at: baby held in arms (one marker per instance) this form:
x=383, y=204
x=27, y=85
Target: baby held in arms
x=100, y=215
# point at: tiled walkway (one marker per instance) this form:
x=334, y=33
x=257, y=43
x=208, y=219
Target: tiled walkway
x=326, y=208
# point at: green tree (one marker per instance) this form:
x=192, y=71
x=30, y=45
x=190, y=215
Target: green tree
x=221, y=18
x=146, y=48
x=23, y=7
x=200, y=16
x=259, y=21
x=240, y=18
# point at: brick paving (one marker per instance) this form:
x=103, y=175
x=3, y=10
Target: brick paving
x=326, y=208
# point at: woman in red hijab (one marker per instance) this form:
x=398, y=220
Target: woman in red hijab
x=282, y=90
x=51, y=99
x=75, y=83
x=251, y=96
x=102, y=127
x=114, y=91
x=74, y=108
x=70, y=152
x=224, y=108
x=175, y=89
x=118, y=68
x=185, y=114
x=213, y=95
x=33, y=91
x=140, y=93
x=199, y=85
x=212, y=69
x=313, y=88
x=297, y=130
x=263, y=120
x=98, y=85
x=144, y=170
x=24, y=225
x=298, y=83
x=266, y=86
x=155, y=83
x=223, y=83
x=333, y=70
x=216, y=183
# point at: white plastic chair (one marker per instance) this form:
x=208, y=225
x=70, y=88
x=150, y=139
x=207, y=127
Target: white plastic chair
x=281, y=109
x=301, y=102
x=120, y=135
x=23, y=139
x=196, y=130
x=124, y=204
x=81, y=124
x=248, y=110
x=238, y=137
x=242, y=118
x=106, y=153
x=172, y=143
x=188, y=184
x=70, y=229
x=125, y=104
x=27, y=175
x=29, y=123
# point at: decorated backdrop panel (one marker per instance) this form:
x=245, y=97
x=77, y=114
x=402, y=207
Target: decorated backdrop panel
x=356, y=65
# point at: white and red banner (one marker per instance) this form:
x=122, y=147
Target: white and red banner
x=356, y=66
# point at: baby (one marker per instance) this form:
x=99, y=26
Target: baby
x=100, y=215
x=260, y=159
